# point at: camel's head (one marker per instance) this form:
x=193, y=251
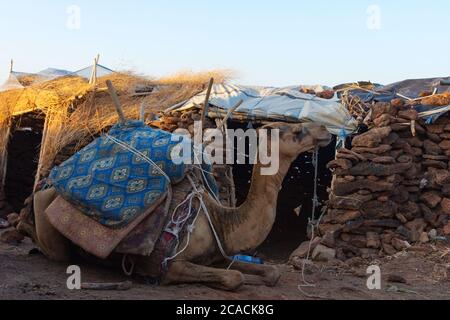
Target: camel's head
x=299, y=138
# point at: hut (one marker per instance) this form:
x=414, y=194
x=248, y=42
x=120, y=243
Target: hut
x=44, y=123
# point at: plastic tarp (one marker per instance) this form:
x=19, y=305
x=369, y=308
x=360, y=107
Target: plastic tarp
x=410, y=89
x=11, y=84
x=87, y=72
x=279, y=104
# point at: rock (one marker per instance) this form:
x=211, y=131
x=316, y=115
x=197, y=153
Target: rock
x=400, y=245
x=343, y=187
x=440, y=177
x=395, y=278
x=384, y=120
x=433, y=234
x=424, y=238
x=431, y=199
x=358, y=241
x=437, y=158
x=418, y=225
x=436, y=128
x=391, y=139
x=405, y=158
x=445, y=205
x=325, y=228
x=446, y=229
x=380, y=108
x=372, y=138
x=401, y=195
x=379, y=210
x=446, y=190
x=4, y=224
x=13, y=219
x=410, y=210
x=382, y=223
x=378, y=150
x=445, y=145
x=12, y=237
x=322, y=253
x=374, y=169
x=435, y=164
x=341, y=216
x=431, y=148
x=401, y=218
x=302, y=250
x=350, y=202
x=384, y=160
x=410, y=114
x=403, y=145
x=389, y=249
x=329, y=239
x=434, y=137
x=429, y=216
x=373, y=240
x=340, y=163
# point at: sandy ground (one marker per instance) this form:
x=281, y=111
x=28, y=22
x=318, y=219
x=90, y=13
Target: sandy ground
x=28, y=275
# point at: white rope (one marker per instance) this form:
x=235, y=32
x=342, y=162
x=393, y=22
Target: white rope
x=139, y=154
x=312, y=222
x=315, y=200
x=205, y=210
x=199, y=195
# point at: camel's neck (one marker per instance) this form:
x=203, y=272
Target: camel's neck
x=246, y=227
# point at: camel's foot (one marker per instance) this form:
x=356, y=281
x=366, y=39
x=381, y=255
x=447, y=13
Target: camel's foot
x=186, y=272
x=258, y=274
x=27, y=229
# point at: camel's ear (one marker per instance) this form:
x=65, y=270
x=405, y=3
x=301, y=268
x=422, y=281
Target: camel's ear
x=276, y=125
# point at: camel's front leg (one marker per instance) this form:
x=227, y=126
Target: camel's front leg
x=187, y=272
x=258, y=274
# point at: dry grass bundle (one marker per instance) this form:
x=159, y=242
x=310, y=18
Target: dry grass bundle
x=439, y=100
x=90, y=112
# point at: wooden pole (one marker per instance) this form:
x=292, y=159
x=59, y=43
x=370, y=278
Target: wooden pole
x=206, y=104
x=142, y=112
x=116, y=101
x=229, y=113
x=11, y=66
x=95, y=68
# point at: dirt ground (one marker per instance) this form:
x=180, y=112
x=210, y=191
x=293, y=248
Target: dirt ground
x=26, y=274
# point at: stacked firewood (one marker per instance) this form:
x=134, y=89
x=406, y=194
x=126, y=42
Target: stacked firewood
x=180, y=120
x=392, y=189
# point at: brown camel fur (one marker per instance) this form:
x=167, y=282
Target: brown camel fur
x=239, y=229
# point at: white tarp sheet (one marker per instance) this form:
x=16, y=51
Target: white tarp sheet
x=279, y=104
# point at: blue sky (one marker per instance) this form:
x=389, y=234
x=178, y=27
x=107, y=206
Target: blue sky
x=279, y=42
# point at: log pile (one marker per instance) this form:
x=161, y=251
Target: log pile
x=392, y=189
x=179, y=120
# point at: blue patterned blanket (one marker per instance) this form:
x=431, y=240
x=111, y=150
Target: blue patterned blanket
x=113, y=185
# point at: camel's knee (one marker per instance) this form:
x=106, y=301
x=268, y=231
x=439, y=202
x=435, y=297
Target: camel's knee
x=54, y=245
x=233, y=280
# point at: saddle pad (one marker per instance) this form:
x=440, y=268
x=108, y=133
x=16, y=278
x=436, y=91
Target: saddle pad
x=111, y=183
x=87, y=233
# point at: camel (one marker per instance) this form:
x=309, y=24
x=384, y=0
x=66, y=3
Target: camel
x=239, y=230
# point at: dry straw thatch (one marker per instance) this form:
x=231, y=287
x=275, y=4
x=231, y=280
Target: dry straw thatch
x=76, y=112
